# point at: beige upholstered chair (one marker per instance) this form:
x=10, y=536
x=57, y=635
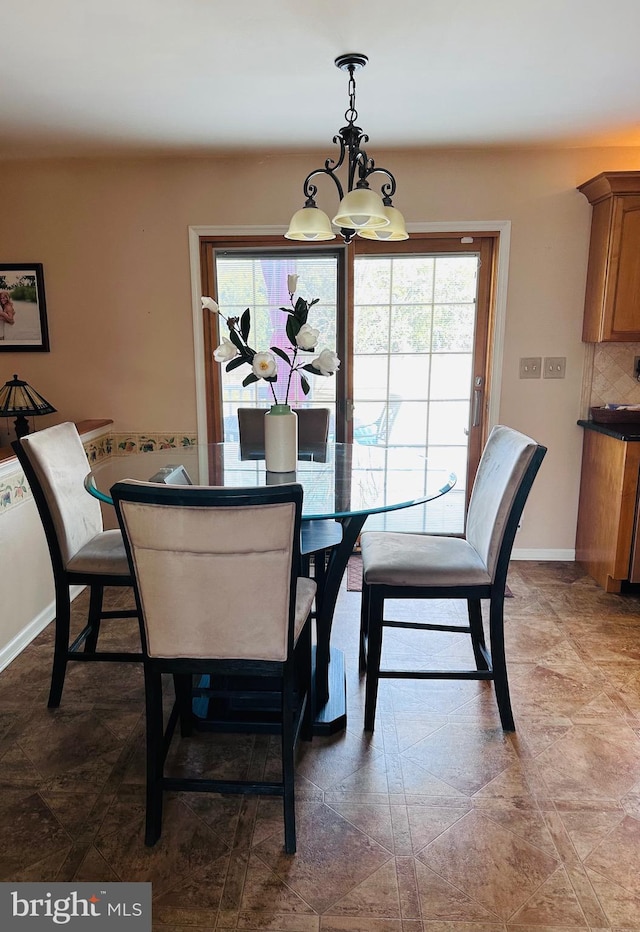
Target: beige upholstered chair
x=217, y=583
x=82, y=553
x=414, y=566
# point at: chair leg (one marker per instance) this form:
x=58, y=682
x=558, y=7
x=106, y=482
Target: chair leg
x=364, y=626
x=61, y=645
x=183, y=686
x=288, y=743
x=374, y=652
x=95, y=610
x=474, y=608
x=155, y=755
x=305, y=689
x=500, y=680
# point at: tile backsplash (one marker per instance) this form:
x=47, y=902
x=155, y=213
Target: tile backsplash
x=612, y=380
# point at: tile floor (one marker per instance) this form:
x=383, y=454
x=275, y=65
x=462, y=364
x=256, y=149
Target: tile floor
x=438, y=823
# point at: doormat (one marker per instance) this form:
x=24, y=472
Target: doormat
x=354, y=576
x=354, y=573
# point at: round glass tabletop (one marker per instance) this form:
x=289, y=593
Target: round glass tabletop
x=339, y=479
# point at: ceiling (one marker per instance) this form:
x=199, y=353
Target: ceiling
x=196, y=77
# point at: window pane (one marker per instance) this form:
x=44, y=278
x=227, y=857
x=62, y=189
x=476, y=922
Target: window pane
x=373, y=280
x=409, y=376
x=411, y=328
x=410, y=426
x=455, y=279
x=371, y=328
x=370, y=378
x=450, y=375
x=448, y=421
x=413, y=278
x=453, y=327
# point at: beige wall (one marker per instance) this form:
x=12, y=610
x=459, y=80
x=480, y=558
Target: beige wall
x=113, y=238
x=27, y=594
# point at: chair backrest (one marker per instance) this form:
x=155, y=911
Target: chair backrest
x=313, y=427
x=251, y=428
x=214, y=569
x=508, y=466
x=55, y=465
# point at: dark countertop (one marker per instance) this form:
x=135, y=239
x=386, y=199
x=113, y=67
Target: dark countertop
x=621, y=430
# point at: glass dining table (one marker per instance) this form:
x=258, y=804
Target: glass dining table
x=341, y=481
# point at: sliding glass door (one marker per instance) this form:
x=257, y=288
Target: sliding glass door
x=413, y=366
x=411, y=323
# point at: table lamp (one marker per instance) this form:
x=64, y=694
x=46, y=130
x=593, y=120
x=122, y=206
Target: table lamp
x=19, y=400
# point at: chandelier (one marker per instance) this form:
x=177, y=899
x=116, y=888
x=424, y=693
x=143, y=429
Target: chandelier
x=361, y=210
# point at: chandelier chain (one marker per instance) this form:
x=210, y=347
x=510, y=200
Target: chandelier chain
x=351, y=114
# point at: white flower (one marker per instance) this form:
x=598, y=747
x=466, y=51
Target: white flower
x=327, y=362
x=210, y=305
x=264, y=365
x=307, y=337
x=226, y=351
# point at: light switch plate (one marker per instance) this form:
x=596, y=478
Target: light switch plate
x=530, y=367
x=555, y=367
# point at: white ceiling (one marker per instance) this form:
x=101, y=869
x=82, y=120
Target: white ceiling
x=200, y=76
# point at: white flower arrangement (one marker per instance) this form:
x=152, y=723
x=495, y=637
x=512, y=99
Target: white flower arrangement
x=235, y=351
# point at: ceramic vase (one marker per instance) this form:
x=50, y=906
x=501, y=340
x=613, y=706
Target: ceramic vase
x=281, y=439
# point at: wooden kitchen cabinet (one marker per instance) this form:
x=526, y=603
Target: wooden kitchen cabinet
x=612, y=299
x=607, y=507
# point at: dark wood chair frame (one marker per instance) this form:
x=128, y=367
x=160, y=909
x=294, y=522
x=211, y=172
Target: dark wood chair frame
x=227, y=683
x=490, y=664
x=64, y=652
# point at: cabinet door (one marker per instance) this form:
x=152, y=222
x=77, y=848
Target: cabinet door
x=606, y=511
x=622, y=294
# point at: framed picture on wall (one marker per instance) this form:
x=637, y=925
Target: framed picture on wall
x=23, y=310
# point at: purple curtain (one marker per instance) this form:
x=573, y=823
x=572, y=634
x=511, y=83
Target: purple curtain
x=275, y=273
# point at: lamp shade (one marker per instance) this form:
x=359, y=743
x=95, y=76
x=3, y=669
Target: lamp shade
x=395, y=231
x=19, y=400
x=361, y=208
x=310, y=223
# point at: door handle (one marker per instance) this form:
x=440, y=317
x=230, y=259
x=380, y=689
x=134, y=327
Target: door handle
x=477, y=399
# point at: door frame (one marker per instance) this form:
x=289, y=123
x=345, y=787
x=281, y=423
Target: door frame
x=496, y=334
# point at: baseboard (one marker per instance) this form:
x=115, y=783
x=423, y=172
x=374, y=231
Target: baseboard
x=563, y=556
x=11, y=650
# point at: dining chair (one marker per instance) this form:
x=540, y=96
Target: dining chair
x=318, y=536
x=313, y=427
x=82, y=552
x=416, y=566
x=219, y=593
